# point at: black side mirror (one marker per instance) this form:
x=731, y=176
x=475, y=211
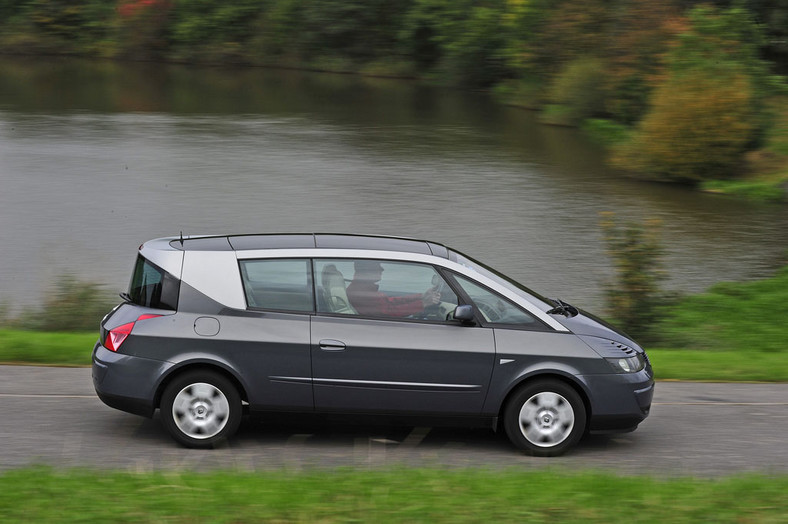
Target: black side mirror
x=464, y=314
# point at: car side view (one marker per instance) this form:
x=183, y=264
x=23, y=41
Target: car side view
x=213, y=326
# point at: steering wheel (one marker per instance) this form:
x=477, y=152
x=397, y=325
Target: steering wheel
x=441, y=310
x=490, y=312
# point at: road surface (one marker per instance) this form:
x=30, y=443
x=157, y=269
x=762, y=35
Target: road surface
x=52, y=416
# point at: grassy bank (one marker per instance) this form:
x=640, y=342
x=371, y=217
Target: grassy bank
x=732, y=332
x=73, y=349
x=719, y=366
x=41, y=495
x=35, y=347
x=740, y=317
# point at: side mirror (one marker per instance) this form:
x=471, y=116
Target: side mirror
x=464, y=314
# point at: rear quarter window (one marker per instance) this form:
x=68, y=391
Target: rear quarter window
x=153, y=287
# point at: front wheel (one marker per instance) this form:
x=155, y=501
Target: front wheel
x=545, y=418
x=201, y=409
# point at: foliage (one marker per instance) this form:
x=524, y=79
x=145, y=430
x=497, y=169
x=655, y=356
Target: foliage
x=142, y=28
x=399, y=495
x=80, y=23
x=731, y=316
x=578, y=89
x=55, y=348
x=708, y=110
x=473, y=50
x=635, y=297
x=752, y=189
x=73, y=306
x=607, y=132
x=699, y=127
x=741, y=365
x=641, y=64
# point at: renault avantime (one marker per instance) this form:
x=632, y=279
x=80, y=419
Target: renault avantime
x=213, y=327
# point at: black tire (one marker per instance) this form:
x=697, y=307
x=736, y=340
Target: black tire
x=201, y=409
x=545, y=418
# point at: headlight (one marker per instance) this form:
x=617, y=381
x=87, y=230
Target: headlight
x=628, y=364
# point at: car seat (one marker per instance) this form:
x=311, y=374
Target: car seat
x=334, y=291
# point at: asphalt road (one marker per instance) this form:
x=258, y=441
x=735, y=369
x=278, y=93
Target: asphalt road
x=52, y=416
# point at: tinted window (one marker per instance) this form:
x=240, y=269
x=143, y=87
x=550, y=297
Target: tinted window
x=153, y=287
x=493, y=307
x=280, y=284
x=381, y=288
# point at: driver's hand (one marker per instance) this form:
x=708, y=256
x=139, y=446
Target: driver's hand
x=431, y=297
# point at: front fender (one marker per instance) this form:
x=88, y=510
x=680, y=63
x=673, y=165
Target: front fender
x=509, y=380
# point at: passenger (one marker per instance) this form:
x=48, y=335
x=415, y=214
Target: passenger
x=365, y=297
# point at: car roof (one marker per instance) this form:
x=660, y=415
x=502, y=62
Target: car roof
x=309, y=241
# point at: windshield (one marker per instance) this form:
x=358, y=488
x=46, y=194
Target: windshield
x=533, y=297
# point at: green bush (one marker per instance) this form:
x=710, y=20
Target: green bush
x=699, y=127
x=72, y=306
x=634, y=298
x=579, y=89
x=606, y=132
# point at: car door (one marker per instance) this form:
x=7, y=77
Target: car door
x=402, y=357
x=273, y=344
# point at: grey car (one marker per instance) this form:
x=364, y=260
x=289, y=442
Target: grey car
x=214, y=326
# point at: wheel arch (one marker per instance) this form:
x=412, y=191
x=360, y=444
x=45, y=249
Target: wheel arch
x=199, y=365
x=530, y=378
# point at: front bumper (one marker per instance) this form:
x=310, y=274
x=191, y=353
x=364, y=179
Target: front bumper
x=620, y=401
x=126, y=382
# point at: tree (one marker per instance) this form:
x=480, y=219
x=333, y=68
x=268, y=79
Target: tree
x=635, y=296
x=698, y=128
x=708, y=110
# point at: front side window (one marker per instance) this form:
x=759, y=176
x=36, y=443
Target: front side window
x=382, y=288
x=153, y=287
x=279, y=284
x=493, y=307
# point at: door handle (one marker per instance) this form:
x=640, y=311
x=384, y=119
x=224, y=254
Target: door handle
x=328, y=344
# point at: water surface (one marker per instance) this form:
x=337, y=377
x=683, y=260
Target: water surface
x=97, y=157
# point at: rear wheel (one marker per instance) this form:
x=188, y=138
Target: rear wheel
x=201, y=409
x=545, y=418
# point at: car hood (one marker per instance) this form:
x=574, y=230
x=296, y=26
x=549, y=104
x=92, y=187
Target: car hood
x=586, y=324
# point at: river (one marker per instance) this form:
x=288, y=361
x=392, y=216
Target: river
x=97, y=157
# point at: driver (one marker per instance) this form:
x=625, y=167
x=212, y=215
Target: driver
x=364, y=296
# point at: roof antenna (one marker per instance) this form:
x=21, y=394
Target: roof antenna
x=181, y=237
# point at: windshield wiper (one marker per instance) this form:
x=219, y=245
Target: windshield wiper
x=562, y=308
x=125, y=296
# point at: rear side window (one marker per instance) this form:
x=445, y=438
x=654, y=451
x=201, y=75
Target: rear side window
x=278, y=284
x=153, y=287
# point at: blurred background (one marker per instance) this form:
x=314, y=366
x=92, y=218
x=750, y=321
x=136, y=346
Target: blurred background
x=501, y=128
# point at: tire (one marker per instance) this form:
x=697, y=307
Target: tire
x=201, y=409
x=545, y=418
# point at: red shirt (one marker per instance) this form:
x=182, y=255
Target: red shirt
x=365, y=298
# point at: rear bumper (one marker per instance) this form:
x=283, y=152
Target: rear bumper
x=126, y=382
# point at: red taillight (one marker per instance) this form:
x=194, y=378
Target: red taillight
x=116, y=336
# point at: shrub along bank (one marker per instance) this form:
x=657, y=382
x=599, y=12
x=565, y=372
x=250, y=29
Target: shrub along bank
x=687, y=80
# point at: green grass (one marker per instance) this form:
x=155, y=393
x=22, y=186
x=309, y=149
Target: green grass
x=36, y=347
x=740, y=317
x=762, y=190
x=421, y=495
x=719, y=366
